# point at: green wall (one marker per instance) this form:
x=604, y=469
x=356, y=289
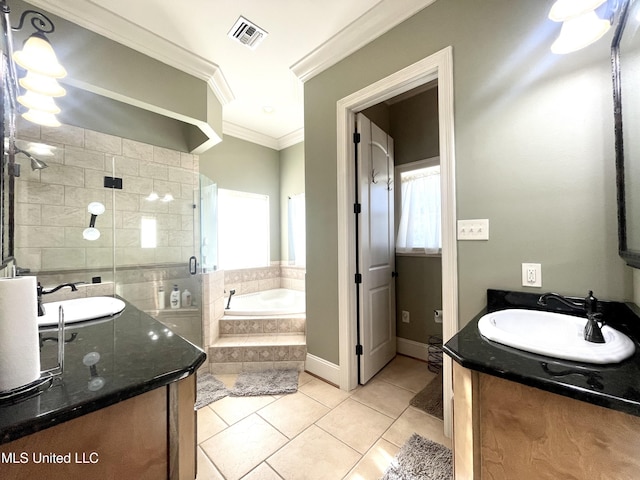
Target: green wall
x=236, y=164
x=533, y=146
x=291, y=183
x=108, y=82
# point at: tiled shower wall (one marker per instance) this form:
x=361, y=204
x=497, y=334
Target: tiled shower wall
x=51, y=208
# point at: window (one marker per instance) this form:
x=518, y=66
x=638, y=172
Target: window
x=243, y=229
x=419, y=208
x=297, y=246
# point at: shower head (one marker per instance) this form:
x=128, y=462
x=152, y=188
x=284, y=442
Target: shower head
x=35, y=163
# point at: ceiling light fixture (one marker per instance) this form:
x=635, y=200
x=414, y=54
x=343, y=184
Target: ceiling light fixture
x=40, y=62
x=581, y=25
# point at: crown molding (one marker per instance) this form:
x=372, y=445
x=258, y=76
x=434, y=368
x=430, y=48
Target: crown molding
x=248, y=135
x=127, y=33
x=291, y=139
x=252, y=136
x=371, y=25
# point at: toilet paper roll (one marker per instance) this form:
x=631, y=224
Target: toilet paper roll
x=19, y=342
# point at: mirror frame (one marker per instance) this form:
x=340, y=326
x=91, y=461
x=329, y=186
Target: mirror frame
x=632, y=257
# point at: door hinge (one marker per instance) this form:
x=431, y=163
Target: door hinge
x=356, y=137
x=358, y=349
x=357, y=208
x=358, y=278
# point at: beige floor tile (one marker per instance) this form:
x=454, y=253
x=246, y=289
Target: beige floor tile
x=408, y=373
x=262, y=472
x=384, y=397
x=291, y=414
x=233, y=409
x=314, y=455
x=413, y=421
x=206, y=470
x=243, y=446
x=324, y=393
x=208, y=424
x=304, y=377
x=355, y=424
x=375, y=462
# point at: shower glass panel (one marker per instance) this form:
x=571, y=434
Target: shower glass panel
x=140, y=243
x=208, y=224
x=158, y=236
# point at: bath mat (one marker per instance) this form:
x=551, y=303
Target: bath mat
x=267, y=382
x=429, y=399
x=209, y=389
x=421, y=459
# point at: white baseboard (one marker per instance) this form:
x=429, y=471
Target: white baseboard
x=323, y=369
x=412, y=349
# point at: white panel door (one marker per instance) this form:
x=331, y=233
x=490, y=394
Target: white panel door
x=376, y=248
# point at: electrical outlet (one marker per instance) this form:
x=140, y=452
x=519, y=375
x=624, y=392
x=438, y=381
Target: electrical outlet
x=531, y=275
x=406, y=317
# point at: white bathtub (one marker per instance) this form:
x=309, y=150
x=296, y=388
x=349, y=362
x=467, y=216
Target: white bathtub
x=268, y=302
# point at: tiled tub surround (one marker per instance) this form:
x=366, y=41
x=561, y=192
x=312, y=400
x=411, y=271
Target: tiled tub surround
x=250, y=343
x=51, y=204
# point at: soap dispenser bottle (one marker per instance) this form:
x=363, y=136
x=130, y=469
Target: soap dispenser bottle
x=186, y=298
x=174, y=299
x=161, y=297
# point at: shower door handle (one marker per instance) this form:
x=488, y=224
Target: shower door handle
x=193, y=265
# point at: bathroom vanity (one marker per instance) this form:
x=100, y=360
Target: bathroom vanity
x=528, y=416
x=123, y=408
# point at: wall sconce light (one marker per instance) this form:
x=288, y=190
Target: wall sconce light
x=39, y=60
x=581, y=25
x=92, y=233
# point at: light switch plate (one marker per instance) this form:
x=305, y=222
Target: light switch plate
x=473, y=229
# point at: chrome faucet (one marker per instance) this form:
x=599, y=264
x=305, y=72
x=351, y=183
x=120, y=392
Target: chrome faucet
x=231, y=294
x=42, y=291
x=593, y=328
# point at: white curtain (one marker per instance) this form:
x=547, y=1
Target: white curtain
x=419, y=227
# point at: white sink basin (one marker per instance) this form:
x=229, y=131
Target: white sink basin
x=80, y=309
x=554, y=335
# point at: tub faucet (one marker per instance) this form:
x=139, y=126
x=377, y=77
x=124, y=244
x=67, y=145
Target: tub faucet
x=231, y=294
x=593, y=328
x=41, y=291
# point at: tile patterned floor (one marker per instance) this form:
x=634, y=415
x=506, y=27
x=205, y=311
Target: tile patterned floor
x=320, y=432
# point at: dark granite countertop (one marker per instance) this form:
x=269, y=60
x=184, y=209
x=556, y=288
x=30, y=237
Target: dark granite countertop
x=615, y=386
x=137, y=354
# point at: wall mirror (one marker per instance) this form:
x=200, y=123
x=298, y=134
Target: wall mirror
x=625, y=60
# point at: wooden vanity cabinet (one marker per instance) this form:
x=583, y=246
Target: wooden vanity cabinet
x=150, y=436
x=505, y=430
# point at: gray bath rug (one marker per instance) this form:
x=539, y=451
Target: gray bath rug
x=268, y=382
x=421, y=459
x=429, y=399
x=209, y=389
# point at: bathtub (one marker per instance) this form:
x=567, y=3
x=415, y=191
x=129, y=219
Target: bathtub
x=278, y=301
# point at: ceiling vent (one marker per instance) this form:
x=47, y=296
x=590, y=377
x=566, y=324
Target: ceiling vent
x=247, y=33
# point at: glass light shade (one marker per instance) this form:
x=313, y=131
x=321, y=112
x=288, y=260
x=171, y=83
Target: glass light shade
x=167, y=198
x=579, y=32
x=40, y=102
x=41, y=118
x=563, y=10
x=152, y=197
x=38, y=56
x=91, y=234
x=42, y=84
x=95, y=208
